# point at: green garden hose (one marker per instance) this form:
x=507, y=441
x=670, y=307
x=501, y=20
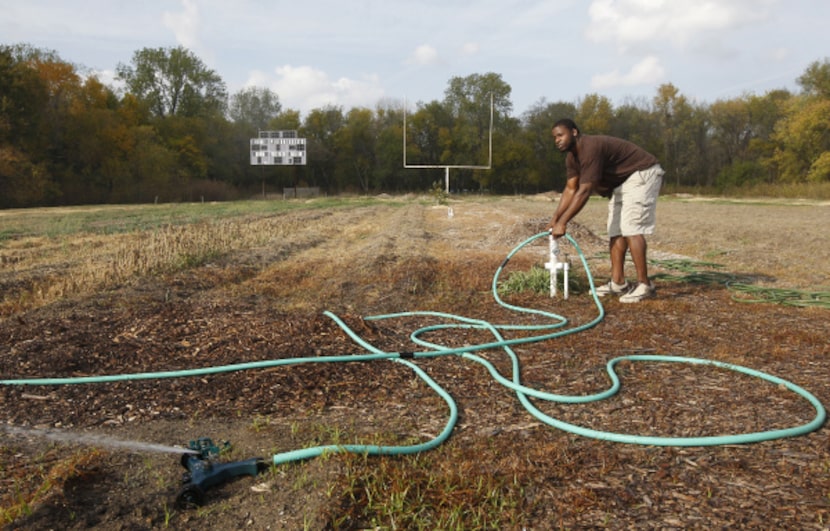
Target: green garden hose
x=557, y=327
x=787, y=297
x=740, y=285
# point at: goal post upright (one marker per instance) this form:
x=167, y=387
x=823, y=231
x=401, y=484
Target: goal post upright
x=447, y=167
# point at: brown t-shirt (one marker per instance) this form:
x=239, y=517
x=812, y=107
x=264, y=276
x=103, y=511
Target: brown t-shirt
x=607, y=161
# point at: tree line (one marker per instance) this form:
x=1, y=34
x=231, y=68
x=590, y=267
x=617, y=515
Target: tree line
x=171, y=132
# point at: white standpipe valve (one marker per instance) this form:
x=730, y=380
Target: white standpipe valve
x=555, y=265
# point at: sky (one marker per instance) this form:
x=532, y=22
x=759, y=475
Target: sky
x=362, y=53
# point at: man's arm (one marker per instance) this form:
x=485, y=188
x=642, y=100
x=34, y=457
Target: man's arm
x=574, y=197
x=564, y=201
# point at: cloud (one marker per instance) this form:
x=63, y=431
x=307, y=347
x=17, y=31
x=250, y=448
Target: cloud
x=305, y=88
x=470, y=48
x=633, y=23
x=424, y=55
x=187, y=27
x=646, y=72
x=779, y=55
x=108, y=77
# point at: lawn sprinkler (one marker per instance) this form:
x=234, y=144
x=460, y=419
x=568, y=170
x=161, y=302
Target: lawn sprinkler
x=555, y=265
x=203, y=472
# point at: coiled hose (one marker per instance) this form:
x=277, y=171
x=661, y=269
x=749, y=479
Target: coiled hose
x=555, y=328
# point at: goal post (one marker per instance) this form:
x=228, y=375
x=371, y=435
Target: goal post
x=447, y=167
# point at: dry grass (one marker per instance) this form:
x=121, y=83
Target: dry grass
x=31, y=488
x=37, y=270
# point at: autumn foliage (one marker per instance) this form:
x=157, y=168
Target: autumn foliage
x=166, y=130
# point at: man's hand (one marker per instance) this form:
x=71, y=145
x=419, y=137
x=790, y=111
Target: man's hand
x=573, y=198
x=557, y=229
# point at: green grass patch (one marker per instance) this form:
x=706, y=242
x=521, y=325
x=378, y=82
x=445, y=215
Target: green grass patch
x=537, y=280
x=115, y=219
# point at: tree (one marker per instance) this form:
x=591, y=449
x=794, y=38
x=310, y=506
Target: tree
x=23, y=97
x=41, y=119
x=471, y=95
x=24, y=178
x=186, y=103
x=389, y=170
x=512, y=154
x=803, y=141
x=428, y=142
x=802, y=136
x=319, y=129
x=468, y=100
x=741, y=136
x=545, y=164
x=815, y=81
x=62, y=84
x=731, y=129
x=95, y=140
x=254, y=107
x=173, y=134
x=684, y=130
x=356, y=143
x=174, y=82
x=765, y=112
x=635, y=121
x=288, y=119
x=594, y=114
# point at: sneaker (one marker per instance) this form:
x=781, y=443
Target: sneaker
x=612, y=288
x=642, y=291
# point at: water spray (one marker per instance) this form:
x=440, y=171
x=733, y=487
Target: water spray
x=201, y=458
x=70, y=437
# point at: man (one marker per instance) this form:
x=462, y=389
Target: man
x=628, y=175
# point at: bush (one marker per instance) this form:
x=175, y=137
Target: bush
x=739, y=174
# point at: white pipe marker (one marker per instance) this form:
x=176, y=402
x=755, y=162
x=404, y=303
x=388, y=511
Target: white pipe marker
x=555, y=265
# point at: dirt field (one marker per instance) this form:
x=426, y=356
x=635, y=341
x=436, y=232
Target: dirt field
x=72, y=456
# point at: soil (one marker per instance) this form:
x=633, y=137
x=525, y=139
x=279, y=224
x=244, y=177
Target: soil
x=73, y=456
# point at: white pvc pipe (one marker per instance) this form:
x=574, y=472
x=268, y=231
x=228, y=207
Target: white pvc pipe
x=554, y=265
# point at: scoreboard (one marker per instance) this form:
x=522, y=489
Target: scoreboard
x=280, y=148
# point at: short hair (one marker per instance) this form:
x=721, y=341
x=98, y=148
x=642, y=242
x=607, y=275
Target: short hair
x=567, y=123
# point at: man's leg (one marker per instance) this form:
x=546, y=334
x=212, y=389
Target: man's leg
x=638, y=246
x=617, y=247
x=639, y=198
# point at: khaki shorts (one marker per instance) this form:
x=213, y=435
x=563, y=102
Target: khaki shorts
x=632, y=207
